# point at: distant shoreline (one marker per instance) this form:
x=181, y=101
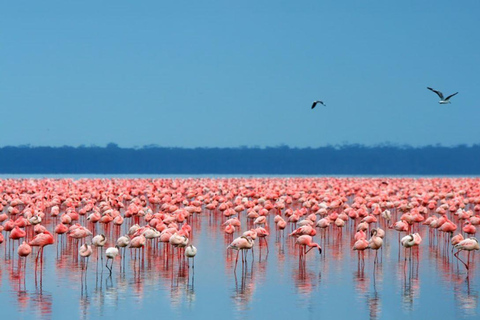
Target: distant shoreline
x=384, y=160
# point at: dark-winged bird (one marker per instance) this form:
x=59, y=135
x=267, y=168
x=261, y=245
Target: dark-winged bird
x=442, y=100
x=318, y=101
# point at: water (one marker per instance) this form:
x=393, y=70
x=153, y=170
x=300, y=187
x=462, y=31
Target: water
x=270, y=285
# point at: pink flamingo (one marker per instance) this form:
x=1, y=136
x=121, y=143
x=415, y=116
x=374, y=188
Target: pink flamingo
x=262, y=233
x=41, y=240
x=360, y=246
x=240, y=244
x=85, y=251
x=375, y=242
x=469, y=244
x=469, y=228
x=24, y=250
x=304, y=241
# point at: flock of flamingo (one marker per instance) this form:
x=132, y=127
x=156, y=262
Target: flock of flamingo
x=107, y=217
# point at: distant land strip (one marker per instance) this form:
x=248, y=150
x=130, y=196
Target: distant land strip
x=349, y=159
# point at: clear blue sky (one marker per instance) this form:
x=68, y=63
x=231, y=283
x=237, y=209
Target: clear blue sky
x=232, y=73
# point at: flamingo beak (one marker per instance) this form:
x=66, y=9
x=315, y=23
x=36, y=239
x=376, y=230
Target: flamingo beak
x=320, y=250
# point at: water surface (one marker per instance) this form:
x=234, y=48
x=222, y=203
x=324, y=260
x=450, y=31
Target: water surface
x=274, y=284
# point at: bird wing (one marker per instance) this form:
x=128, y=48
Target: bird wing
x=437, y=92
x=450, y=96
x=318, y=101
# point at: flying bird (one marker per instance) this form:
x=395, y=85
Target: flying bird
x=442, y=100
x=318, y=101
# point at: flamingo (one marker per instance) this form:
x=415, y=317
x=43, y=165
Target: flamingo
x=24, y=250
x=360, y=246
x=17, y=233
x=375, y=242
x=307, y=229
x=323, y=223
x=123, y=241
x=360, y=235
x=85, y=251
x=138, y=242
x=190, y=253
x=262, y=233
x=241, y=243
x=469, y=244
x=229, y=229
x=469, y=228
x=99, y=241
x=111, y=253
x=41, y=240
x=304, y=241
x=410, y=241
x=177, y=240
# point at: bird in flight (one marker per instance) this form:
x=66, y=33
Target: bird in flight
x=318, y=101
x=442, y=100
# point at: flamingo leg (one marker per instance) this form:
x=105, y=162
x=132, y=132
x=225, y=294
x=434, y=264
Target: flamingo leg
x=236, y=261
x=109, y=269
x=456, y=256
x=36, y=259
x=301, y=253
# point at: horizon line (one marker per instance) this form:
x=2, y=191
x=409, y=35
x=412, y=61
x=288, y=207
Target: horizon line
x=113, y=145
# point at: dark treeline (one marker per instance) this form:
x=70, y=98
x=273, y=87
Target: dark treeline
x=329, y=160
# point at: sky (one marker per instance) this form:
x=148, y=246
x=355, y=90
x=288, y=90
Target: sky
x=238, y=73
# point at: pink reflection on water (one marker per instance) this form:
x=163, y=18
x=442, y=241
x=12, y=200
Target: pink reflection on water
x=137, y=271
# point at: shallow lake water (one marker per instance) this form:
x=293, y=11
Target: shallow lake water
x=273, y=283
